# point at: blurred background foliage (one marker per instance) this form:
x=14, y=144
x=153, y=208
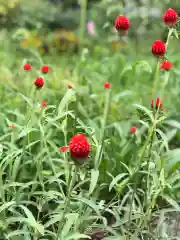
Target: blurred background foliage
x=46, y=16
x=54, y=28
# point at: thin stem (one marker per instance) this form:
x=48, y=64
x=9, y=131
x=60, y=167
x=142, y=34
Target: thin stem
x=164, y=83
x=102, y=133
x=2, y=192
x=67, y=202
x=156, y=78
x=131, y=204
x=168, y=37
x=83, y=21
x=67, y=165
x=148, y=162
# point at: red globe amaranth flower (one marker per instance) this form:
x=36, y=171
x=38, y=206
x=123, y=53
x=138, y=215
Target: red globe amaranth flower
x=122, y=23
x=44, y=104
x=158, y=104
x=170, y=17
x=79, y=146
x=69, y=86
x=158, y=48
x=45, y=69
x=11, y=126
x=64, y=149
x=133, y=129
x=39, y=82
x=27, y=67
x=107, y=85
x=166, y=65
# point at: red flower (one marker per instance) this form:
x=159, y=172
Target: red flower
x=79, y=146
x=133, y=129
x=27, y=67
x=44, y=104
x=39, y=82
x=166, y=65
x=11, y=126
x=45, y=69
x=64, y=148
x=122, y=23
x=107, y=85
x=170, y=17
x=158, y=103
x=69, y=86
x=158, y=48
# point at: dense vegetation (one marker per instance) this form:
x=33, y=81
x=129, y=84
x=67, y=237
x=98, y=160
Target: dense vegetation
x=58, y=81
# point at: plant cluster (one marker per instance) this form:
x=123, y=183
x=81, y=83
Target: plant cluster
x=69, y=170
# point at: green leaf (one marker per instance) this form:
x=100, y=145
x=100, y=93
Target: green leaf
x=173, y=162
x=7, y=205
x=53, y=220
x=89, y=203
x=17, y=233
x=172, y=202
x=116, y=180
x=31, y=220
x=28, y=100
x=142, y=66
x=173, y=123
x=144, y=113
x=94, y=180
x=77, y=236
x=71, y=219
x=65, y=101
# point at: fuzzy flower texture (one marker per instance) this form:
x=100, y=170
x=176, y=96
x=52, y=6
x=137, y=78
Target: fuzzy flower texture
x=170, y=17
x=79, y=147
x=158, y=48
x=122, y=23
x=27, y=67
x=166, y=65
x=39, y=82
x=45, y=69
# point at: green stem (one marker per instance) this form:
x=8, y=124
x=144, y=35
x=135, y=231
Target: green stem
x=102, y=133
x=2, y=193
x=83, y=21
x=164, y=83
x=67, y=202
x=148, y=162
x=67, y=165
x=156, y=78
x=168, y=37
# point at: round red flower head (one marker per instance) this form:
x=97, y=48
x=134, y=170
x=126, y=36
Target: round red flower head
x=157, y=104
x=11, y=126
x=166, y=65
x=39, y=82
x=122, y=23
x=158, y=48
x=45, y=69
x=69, y=86
x=27, y=67
x=44, y=104
x=79, y=147
x=107, y=85
x=170, y=17
x=133, y=129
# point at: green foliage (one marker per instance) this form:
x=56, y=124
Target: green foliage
x=129, y=186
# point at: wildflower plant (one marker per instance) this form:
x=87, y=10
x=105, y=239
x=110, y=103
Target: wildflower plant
x=88, y=163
